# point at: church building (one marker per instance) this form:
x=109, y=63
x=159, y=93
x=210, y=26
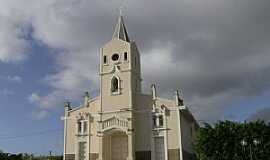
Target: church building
x=122, y=123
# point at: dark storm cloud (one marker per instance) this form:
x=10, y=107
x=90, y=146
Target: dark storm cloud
x=263, y=114
x=228, y=43
x=216, y=51
x=224, y=46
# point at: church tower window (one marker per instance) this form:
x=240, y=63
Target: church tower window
x=125, y=56
x=105, y=59
x=115, y=85
x=115, y=57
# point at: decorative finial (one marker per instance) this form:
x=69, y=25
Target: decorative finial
x=178, y=99
x=67, y=105
x=153, y=90
x=86, y=94
x=86, y=99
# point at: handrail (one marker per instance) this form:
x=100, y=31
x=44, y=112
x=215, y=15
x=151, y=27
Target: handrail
x=114, y=121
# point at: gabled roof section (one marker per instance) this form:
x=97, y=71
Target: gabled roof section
x=120, y=31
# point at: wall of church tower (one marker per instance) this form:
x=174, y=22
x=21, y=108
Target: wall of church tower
x=119, y=60
x=136, y=63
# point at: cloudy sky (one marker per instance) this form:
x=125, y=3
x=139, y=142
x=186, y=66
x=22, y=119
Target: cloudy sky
x=215, y=51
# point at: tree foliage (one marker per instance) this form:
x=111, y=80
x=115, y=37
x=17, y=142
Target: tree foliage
x=25, y=156
x=228, y=140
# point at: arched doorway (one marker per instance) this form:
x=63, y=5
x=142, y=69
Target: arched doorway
x=119, y=146
x=116, y=146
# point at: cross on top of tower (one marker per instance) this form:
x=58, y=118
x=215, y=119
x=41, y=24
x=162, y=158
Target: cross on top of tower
x=122, y=6
x=120, y=10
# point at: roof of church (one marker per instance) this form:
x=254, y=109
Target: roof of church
x=120, y=31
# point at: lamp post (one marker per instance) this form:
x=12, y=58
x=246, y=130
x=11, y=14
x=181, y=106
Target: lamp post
x=244, y=143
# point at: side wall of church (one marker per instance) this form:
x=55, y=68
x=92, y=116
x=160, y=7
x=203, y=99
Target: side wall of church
x=173, y=128
x=172, y=123
x=188, y=136
x=143, y=105
x=94, y=107
x=71, y=136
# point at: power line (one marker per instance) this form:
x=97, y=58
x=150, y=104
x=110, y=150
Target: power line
x=31, y=134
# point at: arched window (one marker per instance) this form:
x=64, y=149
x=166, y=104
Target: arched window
x=115, y=85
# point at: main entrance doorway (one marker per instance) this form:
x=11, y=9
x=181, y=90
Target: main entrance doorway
x=115, y=146
x=119, y=146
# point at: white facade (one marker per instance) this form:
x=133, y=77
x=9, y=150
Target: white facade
x=122, y=123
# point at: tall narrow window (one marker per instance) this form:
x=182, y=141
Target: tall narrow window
x=79, y=127
x=115, y=85
x=154, y=121
x=160, y=119
x=125, y=56
x=104, y=59
x=85, y=127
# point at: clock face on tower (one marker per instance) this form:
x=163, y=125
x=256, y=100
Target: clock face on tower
x=115, y=57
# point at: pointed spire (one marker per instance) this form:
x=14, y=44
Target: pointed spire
x=120, y=31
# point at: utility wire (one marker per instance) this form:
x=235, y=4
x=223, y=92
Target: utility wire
x=31, y=134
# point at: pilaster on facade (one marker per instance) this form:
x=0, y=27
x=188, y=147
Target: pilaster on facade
x=179, y=132
x=159, y=131
x=100, y=144
x=65, y=118
x=151, y=136
x=131, y=151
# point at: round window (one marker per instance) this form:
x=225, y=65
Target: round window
x=115, y=57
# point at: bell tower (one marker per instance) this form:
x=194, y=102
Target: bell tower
x=120, y=70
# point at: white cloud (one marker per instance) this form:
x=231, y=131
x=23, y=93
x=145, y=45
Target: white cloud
x=12, y=46
x=262, y=114
x=203, y=49
x=13, y=29
x=6, y=92
x=77, y=75
x=34, y=97
x=16, y=79
x=45, y=102
x=41, y=114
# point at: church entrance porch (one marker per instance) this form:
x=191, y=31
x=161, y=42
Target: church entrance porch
x=115, y=146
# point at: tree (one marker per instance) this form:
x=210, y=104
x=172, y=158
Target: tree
x=3, y=156
x=228, y=140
